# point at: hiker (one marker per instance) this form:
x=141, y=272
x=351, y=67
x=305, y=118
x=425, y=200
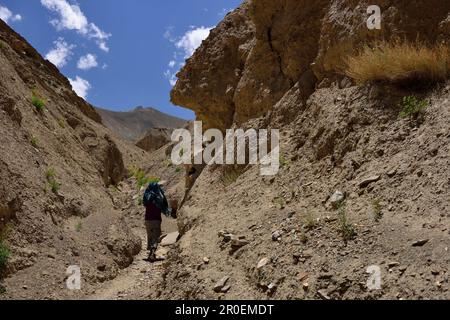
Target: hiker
x=155, y=203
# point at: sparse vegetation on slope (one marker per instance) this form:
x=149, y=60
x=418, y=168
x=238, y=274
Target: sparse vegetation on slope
x=79, y=226
x=4, y=255
x=412, y=106
x=37, y=102
x=310, y=222
x=283, y=161
x=377, y=210
x=61, y=123
x=346, y=229
x=34, y=142
x=230, y=175
x=51, y=179
x=400, y=63
x=141, y=177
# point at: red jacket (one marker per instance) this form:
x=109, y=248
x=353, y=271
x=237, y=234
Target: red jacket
x=152, y=213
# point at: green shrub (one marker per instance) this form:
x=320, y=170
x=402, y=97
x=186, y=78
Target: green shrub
x=34, y=142
x=2, y=44
x=310, y=221
x=6, y=230
x=61, y=123
x=79, y=227
x=168, y=163
x=279, y=201
x=141, y=178
x=4, y=255
x=114, y=188
x=38, y=103
x=230, y=174
x=178, y=169
x=54, y=186
x=230, y=177
x=283, y=161
x=303, y=237
x=377, y=210
x=412, y=106
x=346, y=229
x=50, y=174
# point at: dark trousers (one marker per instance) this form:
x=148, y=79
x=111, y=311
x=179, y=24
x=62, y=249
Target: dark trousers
x=153, y=228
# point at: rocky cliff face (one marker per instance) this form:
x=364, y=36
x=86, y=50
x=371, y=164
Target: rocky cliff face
x=57, y=163
x=154, y=139
x=265, y=47
x=278, y=64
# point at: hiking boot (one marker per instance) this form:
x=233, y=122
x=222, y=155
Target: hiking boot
x=151, y=257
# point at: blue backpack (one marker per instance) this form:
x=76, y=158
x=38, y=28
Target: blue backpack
x=155, y=194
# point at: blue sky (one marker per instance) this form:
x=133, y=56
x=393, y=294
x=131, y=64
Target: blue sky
x=118, y=54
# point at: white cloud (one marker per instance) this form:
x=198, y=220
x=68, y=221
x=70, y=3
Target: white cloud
x=70, y=17
x=192, y=39
x=185, y=47
x=168, y=34
x=7, y=16
x=60, y=54
x=99, y=36
x=87, y=62
x=224, y=12
x=80, y=86
x=171, y=76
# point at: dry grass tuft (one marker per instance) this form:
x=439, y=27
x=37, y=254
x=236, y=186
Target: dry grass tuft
x=400, y=63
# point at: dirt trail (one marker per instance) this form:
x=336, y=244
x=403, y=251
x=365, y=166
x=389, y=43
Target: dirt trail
x=142, y=279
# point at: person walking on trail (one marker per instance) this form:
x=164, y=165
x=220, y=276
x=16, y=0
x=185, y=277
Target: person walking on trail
x=155, y=203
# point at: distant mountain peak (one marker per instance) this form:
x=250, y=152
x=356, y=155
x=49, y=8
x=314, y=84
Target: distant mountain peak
x=133, y=125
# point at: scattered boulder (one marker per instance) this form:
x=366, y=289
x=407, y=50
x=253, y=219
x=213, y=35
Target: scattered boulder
x=170, y=239
x=366, y=182
x=161, y=253
x=123, y=244
x=22, y=258
x=154, y=139
x=393, y=264
x=221, y=284
x=305, y=286
x=302, y=276
x=226, y=236
x=420, y=243
x=237, y=243
x=391, y=173
x=276, y=235
x=336, y=199
x=302, y=256
x=323, y=294
x=101, y=267
x=271, y=288
x=262, y=263
x=79, y=207
x=226, y=289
